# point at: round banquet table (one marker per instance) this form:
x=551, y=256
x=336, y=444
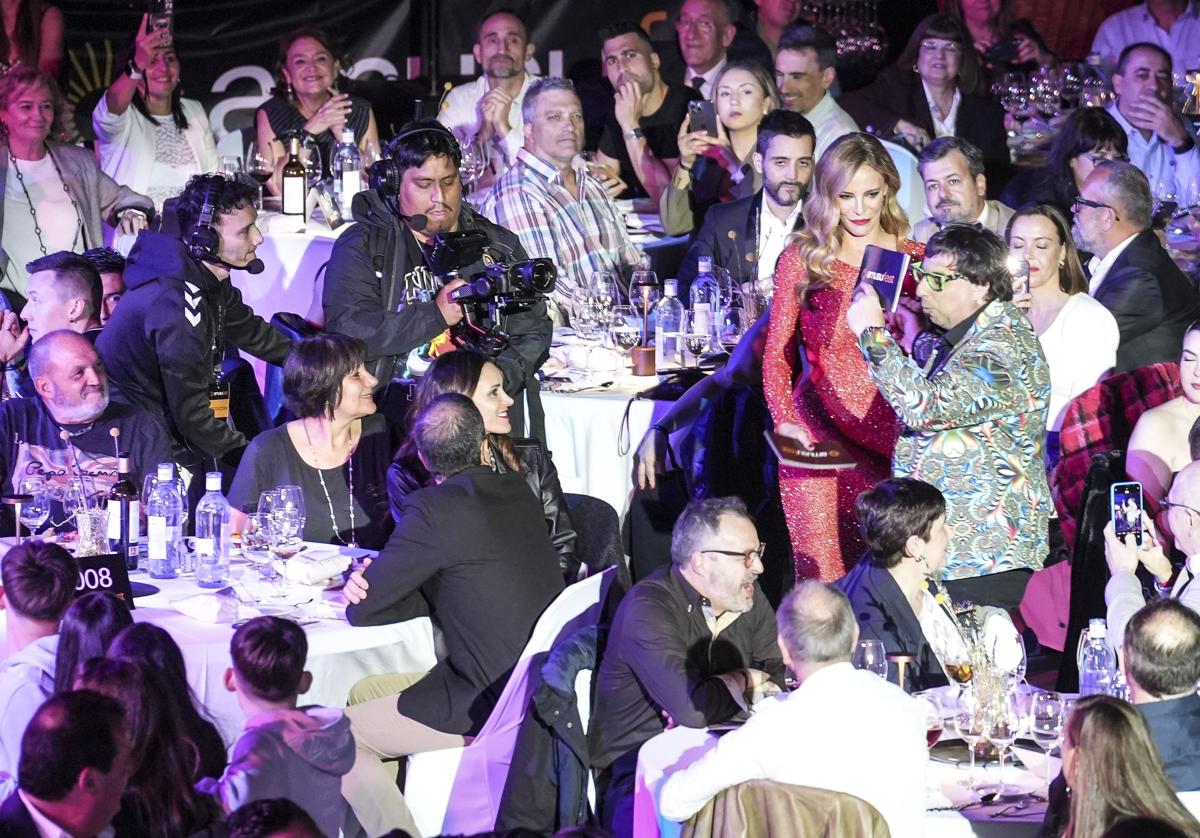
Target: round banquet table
x=338, y=654
x=679, y=747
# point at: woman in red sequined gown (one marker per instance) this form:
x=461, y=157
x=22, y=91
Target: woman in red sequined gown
x=827, y=394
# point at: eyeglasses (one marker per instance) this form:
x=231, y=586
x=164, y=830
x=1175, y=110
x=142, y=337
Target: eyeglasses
x=1166, y=504
x=702, y=24
x=1104, y=157
x=1081, y=201
x=935, y=46
x=937, y=281
x=748, y=557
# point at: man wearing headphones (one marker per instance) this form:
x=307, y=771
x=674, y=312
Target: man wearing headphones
x=164, y=345
x=379, y=286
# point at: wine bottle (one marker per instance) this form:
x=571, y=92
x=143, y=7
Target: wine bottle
x=123, y=513
x=295, y=181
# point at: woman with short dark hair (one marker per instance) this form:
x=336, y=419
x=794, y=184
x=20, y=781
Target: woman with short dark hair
x=336, y=449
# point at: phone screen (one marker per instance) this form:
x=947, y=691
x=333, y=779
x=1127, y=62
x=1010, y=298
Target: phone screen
x=703, y=117
x=1127, y=509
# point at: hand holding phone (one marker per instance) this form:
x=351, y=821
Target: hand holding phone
x=703, y=117
x=1126, y=503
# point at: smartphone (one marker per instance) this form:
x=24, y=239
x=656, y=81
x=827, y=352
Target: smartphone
x=162, y=16
x=1018, y=269
x=1126, y=504
x=703, y=117
x=1002, y=52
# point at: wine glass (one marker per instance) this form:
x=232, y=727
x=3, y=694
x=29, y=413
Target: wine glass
x=289, y=509
x=732, y=323
x=1046, y=715
x=871, y=655
x=604, y=288
x=256, y=544
x=229, y=165
x=625, y=327
x=1003, y=728
x=934, y=725
x=36, y=510
x=968, y=722
x=74, y=497
x=474, y=161
x=260, y=165
x=310, y=156
x=697, y=333
x=370, y=154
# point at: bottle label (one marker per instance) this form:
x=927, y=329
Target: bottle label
x=156, y=533
x=351, y=186
x=293, y=196
x=205, y=546
x=114, y=521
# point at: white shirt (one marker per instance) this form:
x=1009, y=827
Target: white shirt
x=830, y=121
x=943, y=127
x=56, y=217
x=139, y=152
x=711, y=76
x=1123, y=596
x=47, y=828
x=1135, y=25
x=843, y=729
x=1080, y=346
x=1157, y=159
x=460, y=113
x=772, y=236
x=1099, y=265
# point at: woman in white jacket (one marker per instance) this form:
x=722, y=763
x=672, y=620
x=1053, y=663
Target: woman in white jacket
x=148, y=137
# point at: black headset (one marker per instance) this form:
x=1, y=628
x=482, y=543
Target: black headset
x=202, y=240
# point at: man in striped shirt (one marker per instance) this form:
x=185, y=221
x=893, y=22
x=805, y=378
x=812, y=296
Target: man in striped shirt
x=556, y=210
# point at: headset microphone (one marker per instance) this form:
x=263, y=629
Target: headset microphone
x=203, y=242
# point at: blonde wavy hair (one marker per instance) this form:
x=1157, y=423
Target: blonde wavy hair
x=821, y=239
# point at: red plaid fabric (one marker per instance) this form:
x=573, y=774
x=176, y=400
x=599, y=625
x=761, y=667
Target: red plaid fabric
x=1102, y=419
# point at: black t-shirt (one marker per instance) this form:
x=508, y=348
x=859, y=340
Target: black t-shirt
x=662, y=132
x=271, y=460
x=32, y=447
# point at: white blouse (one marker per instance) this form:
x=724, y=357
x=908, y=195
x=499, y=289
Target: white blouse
x=1080, y=346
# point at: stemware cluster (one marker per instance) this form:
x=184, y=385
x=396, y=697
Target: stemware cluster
x=861, y=40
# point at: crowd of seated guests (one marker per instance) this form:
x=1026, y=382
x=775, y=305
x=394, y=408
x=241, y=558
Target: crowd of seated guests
x=953, y=405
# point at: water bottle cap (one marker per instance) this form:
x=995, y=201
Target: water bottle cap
x=705, y=264
x=166, y=471
x=348, y=135
x=670, y=287
x=212, y=481
x=1097, y=628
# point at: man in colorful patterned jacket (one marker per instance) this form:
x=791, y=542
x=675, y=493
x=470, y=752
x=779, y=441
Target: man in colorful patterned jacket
x=974, y=416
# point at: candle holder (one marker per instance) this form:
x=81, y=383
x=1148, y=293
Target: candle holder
x=17, y=501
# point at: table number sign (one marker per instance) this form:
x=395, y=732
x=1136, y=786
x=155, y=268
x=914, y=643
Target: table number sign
x=104, y=573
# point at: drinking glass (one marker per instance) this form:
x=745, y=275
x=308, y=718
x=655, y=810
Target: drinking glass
x=289, y=510
x=625, y=327
x=230, y=165
x=310, y=156
x=74, y=497
x=587, y=320
x=1003, y=728
x=36, y=510
x=260, y=165
x=643, y=284
x=697, y=333
x=256, y=544
x=732, y=323
x=934, y=725
x=604, y=288
x=370, y=154
x=474, y=161
x=871, y=655
x=1046, y=715
x=968, y=722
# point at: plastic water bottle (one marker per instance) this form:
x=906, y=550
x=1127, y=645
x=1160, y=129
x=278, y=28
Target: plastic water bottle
x=347, y=171
x=164, y=524
x=711, y=287
x=668, y=327
x=1097, y=665
x=212, y=535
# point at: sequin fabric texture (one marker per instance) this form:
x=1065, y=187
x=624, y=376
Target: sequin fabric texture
x=834, y=400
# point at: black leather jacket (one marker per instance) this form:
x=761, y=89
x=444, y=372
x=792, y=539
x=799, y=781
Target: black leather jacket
x=408, y=476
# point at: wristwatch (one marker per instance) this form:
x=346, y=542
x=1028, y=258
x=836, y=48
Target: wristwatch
x=133, y=71
x=634, y=134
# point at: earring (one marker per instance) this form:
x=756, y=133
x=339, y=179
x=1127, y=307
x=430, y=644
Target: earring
x=919, y=559
x=916, y=69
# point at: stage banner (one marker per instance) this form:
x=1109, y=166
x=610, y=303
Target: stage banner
x=396, y=49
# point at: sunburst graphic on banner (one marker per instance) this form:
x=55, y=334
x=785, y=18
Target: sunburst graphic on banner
x=91, y=73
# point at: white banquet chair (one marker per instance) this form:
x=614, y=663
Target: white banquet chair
x=473, y=776
x=911, y=196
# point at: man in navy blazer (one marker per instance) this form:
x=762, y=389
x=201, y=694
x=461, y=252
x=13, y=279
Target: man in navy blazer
x=746, y=236
x=75, y=763
x=1130, y=271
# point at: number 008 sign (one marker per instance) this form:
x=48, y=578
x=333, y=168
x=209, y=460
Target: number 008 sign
x=104, y=573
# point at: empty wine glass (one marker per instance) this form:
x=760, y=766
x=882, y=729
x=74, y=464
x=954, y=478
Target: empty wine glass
x=260, y=165
x=474, y=161
x=230, y=165
x=871, y=655
x=969, y=724
x=36, y=510
x=625, y=327
x=732, y=324
x=256, y=544
x=1003, y=728
x=1046, y=723
x=289, y=510
x=604, y=287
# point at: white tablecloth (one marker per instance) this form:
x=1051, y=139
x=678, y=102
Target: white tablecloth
x=679, y=747
x=583, y=432
x=338, y=654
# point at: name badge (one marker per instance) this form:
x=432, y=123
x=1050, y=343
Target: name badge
x=104, y=573
x=218, y=396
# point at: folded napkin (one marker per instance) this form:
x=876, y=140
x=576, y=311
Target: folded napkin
x=214, y=608
x=314, y=567
x=579, y=358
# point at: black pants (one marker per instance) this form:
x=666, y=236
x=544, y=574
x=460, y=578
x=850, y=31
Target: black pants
x=615, y=786
x=1001, y=590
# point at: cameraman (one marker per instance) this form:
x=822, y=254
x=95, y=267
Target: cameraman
x=379, y=286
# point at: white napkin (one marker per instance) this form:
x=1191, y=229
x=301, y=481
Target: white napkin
x=213, y=608
x=313, y=567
